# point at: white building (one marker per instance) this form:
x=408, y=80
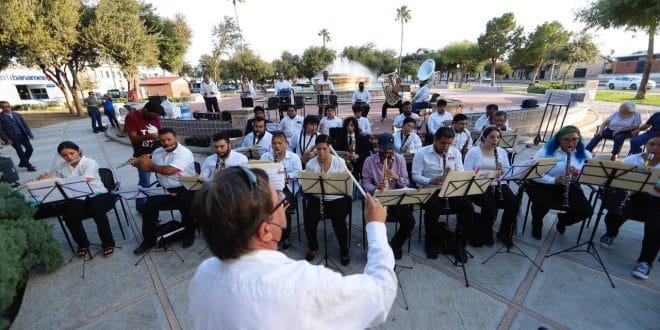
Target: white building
x=21, y=85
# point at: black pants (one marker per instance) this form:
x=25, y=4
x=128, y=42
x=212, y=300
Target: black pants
x=247, y=102
x=386, y=105
x=181, y=201
x=288, y=213
x=490, y=203
x=365, y=109
x=112, y=118
x=551, y=196
x=436, y=206
x=23, y=147
x=642, y=207
x=212, y=104
x=336, y=210
x=76, y=210
x=404, y=216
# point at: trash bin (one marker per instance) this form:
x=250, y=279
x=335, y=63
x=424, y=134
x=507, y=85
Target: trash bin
x=186, y=114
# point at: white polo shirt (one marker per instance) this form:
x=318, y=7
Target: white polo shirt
x=263, y=143
x=291, y=126
x=233, y=159
x=292, y=165
x=414, y=144
x=436, y=120
x=336, y=166
x=326, y=124
x=428, y=164
x=181, y=158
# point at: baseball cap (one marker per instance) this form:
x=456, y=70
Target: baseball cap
x=385, y=141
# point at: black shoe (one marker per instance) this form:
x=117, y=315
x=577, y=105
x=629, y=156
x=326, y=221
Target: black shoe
x=431, y=251
x=476, y=242
x=311, y=254
x=144, y=247
x=488, y=240
x=31, y=168
x=97, y=131
x=285, y=245
x=398, y=253
x=504, y=238
x=537, y=230
x=188, y=241
x=344, y=257
x=560, y=226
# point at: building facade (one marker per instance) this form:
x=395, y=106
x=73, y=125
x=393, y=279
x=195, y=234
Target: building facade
x=634, y=64
x=21, y=85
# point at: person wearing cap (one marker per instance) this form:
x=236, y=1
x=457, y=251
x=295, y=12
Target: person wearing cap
x=396, y=177
x=142, y=127
x=618, y=127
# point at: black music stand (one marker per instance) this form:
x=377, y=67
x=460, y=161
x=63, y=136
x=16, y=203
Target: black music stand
x=609, y=175
x=532, y=169
x=463, y=184
x=326, y=184
x=141, y=192
x=283, y=101
x=400, y=197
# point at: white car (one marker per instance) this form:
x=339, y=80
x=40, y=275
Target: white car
x=628, y=82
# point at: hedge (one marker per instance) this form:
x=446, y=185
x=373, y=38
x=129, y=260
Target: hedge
x=541, y=87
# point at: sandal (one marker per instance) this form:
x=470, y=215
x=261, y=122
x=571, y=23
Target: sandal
x=108, y=252
x=82, y=252
x=311, y=254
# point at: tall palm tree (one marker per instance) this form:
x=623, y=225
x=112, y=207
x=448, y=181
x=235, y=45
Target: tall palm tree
x=234, y=2
x=325, y=35
x=403, y=16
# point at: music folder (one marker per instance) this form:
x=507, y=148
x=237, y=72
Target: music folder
x=192, y=182
x=619, y=175
x=529, y=169
x=321, y=87
x=143, y=192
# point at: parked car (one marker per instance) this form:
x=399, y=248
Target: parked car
x=630, y=82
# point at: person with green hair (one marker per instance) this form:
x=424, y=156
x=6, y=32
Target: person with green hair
x=548, y=191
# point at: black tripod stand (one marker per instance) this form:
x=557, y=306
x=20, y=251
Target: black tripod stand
x=165, y=246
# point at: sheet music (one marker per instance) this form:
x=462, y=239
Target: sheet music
x=46, y=191
x=193, y=182
x=275, y=171
x=252, y=152
x=142, y=192
x=410, y=196
x=457, y=183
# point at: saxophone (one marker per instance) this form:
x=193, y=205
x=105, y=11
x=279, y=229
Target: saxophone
x=391, y=89
x=568, y=175
x=385, y=181
x=406, y=145
x=629, y=193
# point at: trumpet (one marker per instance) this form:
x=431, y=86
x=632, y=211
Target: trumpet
x=568, y=175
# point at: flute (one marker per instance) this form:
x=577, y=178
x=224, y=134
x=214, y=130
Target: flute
x=47, y=175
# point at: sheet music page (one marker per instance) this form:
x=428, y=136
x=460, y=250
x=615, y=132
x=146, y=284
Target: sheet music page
x=275, y=171
x=76, y=187
x=518, y=171
x=44, y=191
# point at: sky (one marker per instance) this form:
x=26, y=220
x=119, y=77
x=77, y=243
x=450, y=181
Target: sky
x=273, y=26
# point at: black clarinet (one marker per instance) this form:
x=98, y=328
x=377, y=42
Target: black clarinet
x=498, y=188
x=445, y=172
x=568, y=175
x=629, y=193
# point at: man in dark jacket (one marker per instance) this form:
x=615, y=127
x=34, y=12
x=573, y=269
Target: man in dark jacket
x=16, y=132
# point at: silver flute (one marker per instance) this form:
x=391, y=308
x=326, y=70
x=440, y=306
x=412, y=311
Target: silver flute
x=568, y=175
x=629, y=193
x=498, y=188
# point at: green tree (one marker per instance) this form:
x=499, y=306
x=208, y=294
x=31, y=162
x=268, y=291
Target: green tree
x=378, y=61
x=325, y=36
x=227, y=37
x=501, y=69
x=580, y=49
x=288, y=64
x=122, y=36
x=173, y=43
x=538, y=45
x=402, y=16
x=634, y=15
x=314, y=59
x=500, y=37
x=234, y=3
x=246, y=62
x=186, y=70
x=463, y=55
x=209, y=64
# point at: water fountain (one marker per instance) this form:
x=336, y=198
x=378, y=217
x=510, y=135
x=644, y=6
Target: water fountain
x=345, y=74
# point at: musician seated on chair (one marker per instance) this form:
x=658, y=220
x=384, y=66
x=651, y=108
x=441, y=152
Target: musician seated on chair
x=259, y=112
x=548, y=192
x=398, y=104
x=406, y=140
x=421, y=98
x=440, y=116
x=292, y=123
x=431, y=165
x=78, y=166
x=501, y=121
x=247, y=93
x=361, y=99
x=395, y=177
x=303, y=143
x=356, y=145
x=259, y=138
x=462, y=137
x=168, y=162
x=487, y=156
x=222, y=158
x=487, y=118
x=639, y=206
x=330, y=120
x=335, y=208
x=292, y=165
x=652, y=128
x=618, y=127
x=242, y=218
x=407, y=113
x=363, y=122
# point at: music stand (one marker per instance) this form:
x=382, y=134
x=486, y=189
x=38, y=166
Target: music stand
x=326, y=184
x=609, y=175
x=532, y=169
x=250, y=152
x=463, y=184
x=142, y=192
x=400, y=197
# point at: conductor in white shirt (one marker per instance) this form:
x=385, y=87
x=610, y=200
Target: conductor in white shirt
x=361, y=99
x=223, y=158
x=248, y=284
x=210, y=93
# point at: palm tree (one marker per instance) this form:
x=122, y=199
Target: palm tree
x=403, y=16
x=325, y=35
x=234, y=2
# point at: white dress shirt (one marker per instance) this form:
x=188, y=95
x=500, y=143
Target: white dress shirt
x=436, y=120
x=363, y=96
x=302, y=142
x=247, y=93
x=210, y=89
x=475, y=159
x=292, y=165
x=560, y=167
x=87, y=168
x=638, y=159
x=364, y=125
x=180, y=158
x=283, y=85
x=336, y=166
x=460, y=138
x=483, y=121
x=414, y=144
x=291, y=126
x=326, y=124
x=267, y=289
x=328, y=82
x=421, y=94
x=427, y=165
x=233, y=159
x=263, y=143
x=398, y=120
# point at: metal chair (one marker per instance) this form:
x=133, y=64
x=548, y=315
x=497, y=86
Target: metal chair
x=273, y=104
x=108, y=179
x=299, y=103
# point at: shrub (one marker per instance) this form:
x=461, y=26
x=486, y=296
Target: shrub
x=541, y=87
x=179, y=99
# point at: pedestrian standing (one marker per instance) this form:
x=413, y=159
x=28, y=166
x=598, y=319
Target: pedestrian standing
x=92, y=105
x=109, y=110
x=15, y=131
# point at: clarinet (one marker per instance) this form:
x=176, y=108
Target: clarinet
x=445, y=172
x=568, y=174
x=498, y=188
x=629, y=193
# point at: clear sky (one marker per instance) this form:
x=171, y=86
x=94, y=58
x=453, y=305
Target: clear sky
x=271, y=26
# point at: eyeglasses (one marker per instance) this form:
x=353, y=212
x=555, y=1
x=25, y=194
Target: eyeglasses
x=283, y=203
x=570, y=140
x=251, y=178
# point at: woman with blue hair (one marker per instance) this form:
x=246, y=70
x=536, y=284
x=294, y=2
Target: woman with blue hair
x=547, y=192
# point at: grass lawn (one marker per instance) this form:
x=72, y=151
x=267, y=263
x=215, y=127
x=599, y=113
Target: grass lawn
x=38, y=118
x=621, y=96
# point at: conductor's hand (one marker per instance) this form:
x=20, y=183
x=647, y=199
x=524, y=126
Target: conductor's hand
x=373, y=211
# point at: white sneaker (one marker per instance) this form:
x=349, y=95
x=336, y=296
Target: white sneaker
x=642, y=270
x=606, y=241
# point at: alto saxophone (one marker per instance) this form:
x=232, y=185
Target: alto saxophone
x=629, y=193
x=406, y=146
x=568, y=175
x=385, y=181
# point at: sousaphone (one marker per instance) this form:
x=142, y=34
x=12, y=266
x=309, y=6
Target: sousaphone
x=426, y=70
